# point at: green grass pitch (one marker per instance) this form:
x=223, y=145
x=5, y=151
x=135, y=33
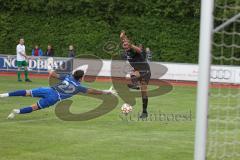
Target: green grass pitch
x=42, y=136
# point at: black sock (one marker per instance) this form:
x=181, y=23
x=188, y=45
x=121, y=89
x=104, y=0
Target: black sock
x=134, y=80
x=145, y=103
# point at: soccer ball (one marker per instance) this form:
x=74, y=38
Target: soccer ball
x=126, y=108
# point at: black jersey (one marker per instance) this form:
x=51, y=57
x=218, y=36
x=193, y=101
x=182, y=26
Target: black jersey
x=137, y=60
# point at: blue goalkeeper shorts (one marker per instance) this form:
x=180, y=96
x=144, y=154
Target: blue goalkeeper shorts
x=48, y=96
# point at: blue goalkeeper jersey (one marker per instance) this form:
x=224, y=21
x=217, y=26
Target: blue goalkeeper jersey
x=68, y=87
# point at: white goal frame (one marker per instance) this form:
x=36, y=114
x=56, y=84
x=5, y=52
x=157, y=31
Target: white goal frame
x=205, y=47
x=204, y=62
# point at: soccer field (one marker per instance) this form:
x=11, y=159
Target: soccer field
x=41, y=135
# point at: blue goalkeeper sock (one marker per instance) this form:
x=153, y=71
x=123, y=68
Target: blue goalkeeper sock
x=18, y=93
x=26, y=110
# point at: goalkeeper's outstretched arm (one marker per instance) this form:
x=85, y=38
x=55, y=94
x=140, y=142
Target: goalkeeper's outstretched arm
x=97, y=92
x=100, y=92
x=53, y=74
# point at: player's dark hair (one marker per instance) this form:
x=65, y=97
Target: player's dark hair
x=78, y=74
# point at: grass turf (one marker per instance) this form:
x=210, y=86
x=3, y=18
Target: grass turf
x=41, y=135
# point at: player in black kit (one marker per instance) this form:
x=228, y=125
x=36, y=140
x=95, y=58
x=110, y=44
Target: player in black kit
x=141, y=73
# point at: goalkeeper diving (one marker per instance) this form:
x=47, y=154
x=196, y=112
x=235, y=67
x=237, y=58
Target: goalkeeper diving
x=68, y=86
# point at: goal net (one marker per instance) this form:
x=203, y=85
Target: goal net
x=223, y=134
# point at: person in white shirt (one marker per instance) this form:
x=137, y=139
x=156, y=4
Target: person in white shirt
x=22, y=60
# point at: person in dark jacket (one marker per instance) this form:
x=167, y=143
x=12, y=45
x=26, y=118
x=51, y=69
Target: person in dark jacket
x=71, y=51
x=148, y=54
x=49, y=52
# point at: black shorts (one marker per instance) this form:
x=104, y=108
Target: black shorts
x=145, y=76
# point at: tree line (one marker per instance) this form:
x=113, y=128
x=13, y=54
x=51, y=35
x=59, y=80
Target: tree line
x=169, y=28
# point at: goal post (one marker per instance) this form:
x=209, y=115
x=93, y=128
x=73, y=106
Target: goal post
x=205, y=43
x=217, y=132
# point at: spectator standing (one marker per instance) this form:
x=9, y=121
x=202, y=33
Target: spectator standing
x=49, y=52
x=71, y=51
x=148, y=54
x=36, y=51
x=22, y=60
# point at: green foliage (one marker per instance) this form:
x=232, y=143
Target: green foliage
x=107, y=9
x=170, y=28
